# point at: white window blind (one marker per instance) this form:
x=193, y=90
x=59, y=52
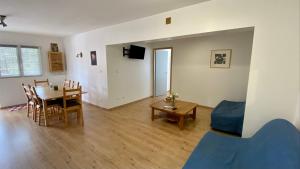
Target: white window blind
x=9, y=61
x=18, y=61
x=31, y=61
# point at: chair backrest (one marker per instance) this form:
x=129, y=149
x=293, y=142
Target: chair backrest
x=67, y=83
x=72, y=94
x=27, y=91
x=35, y=96
x=75, y=85
x=44, y=83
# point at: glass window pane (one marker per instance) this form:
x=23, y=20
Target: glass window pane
x=9, y=64
x=31, y=61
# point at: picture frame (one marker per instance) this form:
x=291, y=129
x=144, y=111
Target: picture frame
x=220, y=58
x=54, y=47
x=93, y=58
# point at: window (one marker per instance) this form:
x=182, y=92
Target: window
x=16, y=61
x=31, y=61
x=9, y=62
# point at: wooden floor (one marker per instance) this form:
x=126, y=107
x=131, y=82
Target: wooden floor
x=122, y=138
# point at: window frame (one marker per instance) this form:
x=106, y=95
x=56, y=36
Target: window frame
x=20, y=62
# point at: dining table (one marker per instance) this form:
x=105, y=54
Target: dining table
x=47, y=93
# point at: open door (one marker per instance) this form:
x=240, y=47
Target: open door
x=162, y=71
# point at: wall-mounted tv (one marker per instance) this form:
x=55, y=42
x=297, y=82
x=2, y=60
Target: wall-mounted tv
x=136, y=52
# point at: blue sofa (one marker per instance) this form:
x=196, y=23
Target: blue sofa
x=275, y=146
x=228, y=116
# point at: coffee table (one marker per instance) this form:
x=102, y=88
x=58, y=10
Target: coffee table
x=181, y=112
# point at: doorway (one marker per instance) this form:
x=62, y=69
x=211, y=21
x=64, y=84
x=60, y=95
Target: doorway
x=162, y=71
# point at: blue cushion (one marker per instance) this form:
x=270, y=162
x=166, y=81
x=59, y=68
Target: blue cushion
x=274, y=146
x=228, y=116
x=214, y=152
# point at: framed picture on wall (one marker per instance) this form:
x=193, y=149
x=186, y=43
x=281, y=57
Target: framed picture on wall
x=54, y=47
x=93, y=58
x=220, y=58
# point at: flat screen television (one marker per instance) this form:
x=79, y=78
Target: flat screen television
x=136, y=52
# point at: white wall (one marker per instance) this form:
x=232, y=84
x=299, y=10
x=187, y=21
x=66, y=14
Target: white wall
x=92, y=78
x=128, y=79
x=192, y=76
x=274, y=71
x=11, y=89
x=297, y=117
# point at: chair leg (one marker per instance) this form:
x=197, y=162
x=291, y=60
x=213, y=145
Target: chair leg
x=40, y=115
x=78, y=116
x=59, y=114
x=81, y=117
x=34, y=111
x=66, y=117
x=28, y=109
x=56, y=112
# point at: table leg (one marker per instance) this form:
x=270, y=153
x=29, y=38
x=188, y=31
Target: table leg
x=181, y=122
x=194, y=113
x=45, y=111
x=152, y=114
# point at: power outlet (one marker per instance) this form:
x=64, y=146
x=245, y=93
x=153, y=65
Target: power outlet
x=168, y=20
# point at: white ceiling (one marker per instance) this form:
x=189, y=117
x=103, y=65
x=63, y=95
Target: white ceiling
x=65, y=17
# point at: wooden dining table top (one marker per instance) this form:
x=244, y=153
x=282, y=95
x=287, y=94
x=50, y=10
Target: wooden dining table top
x=47, y=93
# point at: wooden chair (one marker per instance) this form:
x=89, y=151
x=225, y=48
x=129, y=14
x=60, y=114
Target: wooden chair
x=72, y=102
x=67, y=83
x=38, y=106
x=44, y=83
x=30, y=101
x=54, y=108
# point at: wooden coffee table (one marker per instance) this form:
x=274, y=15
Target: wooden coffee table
x=181, y=112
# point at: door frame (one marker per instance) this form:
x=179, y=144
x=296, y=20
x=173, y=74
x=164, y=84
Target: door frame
x=154, y=68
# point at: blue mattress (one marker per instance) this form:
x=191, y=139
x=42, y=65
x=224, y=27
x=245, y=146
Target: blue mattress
x=228, y=116
x=274, y=146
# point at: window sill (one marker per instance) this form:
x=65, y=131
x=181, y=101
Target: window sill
x=10, y=77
